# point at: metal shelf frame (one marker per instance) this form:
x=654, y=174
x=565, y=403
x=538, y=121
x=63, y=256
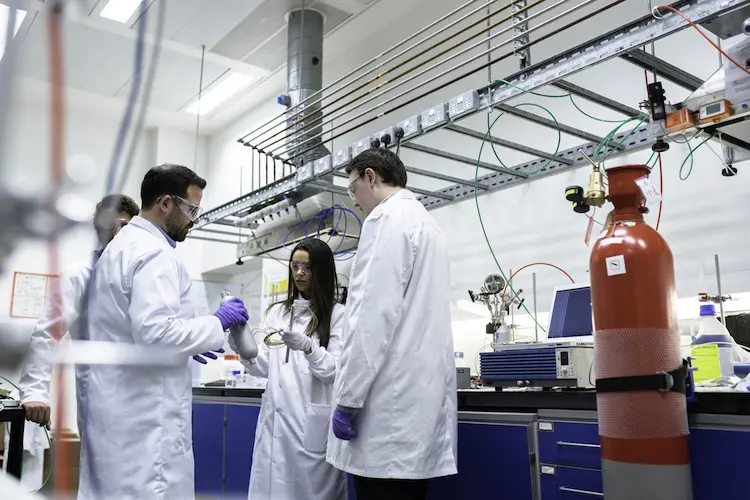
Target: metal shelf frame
x=624, y=42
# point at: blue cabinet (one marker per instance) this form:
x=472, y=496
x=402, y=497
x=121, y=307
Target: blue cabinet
x=563, y=483
x=718, y=463
x=238, y=455
x=570, y=443
x=493, y=459
x=223, y=438
x=208, y=448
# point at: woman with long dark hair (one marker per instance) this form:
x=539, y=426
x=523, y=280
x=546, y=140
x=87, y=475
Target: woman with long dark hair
x=289, y=458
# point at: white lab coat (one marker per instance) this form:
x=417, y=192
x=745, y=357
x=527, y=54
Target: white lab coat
x=397, y=360
x=289, y=461
x=137, y=420
x=62, y=310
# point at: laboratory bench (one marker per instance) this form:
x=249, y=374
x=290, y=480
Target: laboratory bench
x=518, y=445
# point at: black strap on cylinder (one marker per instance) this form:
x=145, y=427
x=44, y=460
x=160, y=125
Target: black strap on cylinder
x=673, y=381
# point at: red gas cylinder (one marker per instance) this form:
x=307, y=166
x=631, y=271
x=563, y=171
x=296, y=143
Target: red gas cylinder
x=643, y=433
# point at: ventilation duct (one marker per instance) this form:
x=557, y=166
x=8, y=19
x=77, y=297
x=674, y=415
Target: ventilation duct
x=304, y=78
x=277, y=228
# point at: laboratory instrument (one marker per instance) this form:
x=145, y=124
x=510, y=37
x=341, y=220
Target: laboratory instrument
x=499, y=304
x=564, y=359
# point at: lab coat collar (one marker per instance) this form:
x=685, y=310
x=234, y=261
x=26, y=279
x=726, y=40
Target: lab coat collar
x=152, y=228
x=402, y=193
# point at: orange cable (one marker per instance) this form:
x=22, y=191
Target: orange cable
x=534, y=264
x=661, y=191
x=676, y=11
x=57, y=141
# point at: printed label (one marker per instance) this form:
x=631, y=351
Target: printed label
x=545, y=426
x=616, y=265
x=649, y=191
x=548, y=470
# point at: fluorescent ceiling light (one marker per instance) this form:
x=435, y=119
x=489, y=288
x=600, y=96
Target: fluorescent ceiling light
x=120, y=10
x=220, y=93
x=4, y=18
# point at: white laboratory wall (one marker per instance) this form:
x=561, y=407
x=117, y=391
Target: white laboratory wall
x=530, y=222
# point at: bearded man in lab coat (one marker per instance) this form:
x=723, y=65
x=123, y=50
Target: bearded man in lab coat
x=137, y=420
x=395, y=421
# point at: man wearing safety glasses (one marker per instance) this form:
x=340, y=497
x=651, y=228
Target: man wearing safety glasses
x=137, y=419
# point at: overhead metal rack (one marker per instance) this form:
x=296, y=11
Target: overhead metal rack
x=624, y=42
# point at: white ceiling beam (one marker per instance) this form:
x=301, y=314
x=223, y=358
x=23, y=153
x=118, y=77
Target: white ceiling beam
x=121, y=30
x=349, y=6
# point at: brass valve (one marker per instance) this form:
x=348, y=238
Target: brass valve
x=595, y=195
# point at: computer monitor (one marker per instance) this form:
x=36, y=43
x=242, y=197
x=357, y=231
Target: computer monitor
x=570, y=317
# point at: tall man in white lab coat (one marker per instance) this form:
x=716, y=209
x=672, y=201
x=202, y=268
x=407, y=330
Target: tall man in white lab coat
x=395, y=422
x=137, y=421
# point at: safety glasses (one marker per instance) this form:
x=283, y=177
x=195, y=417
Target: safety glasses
x=352, y=189
x=191, y=210
x=299, y=267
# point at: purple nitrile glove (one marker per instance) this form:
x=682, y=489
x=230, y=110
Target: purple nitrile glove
x=343, y=424
x=211, y=355
x=232, y=312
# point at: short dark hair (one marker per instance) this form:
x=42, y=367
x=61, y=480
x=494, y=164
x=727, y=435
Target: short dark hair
x=116, y=203
x=168, y=179
x=110, y=205
x=383, y=162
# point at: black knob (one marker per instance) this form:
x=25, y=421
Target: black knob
x=581, y=207
x=375, y=143
x=574, y=194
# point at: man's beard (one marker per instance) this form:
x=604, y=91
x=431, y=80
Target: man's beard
x=176, y=230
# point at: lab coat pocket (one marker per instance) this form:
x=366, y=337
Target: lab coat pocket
x=317, y=420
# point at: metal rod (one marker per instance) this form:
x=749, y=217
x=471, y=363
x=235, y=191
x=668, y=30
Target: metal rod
x=507, y=144
x=512, y=328
x=443, y=177
x=430, y=59
x=342, y=190
x=718, y=285
x=462, y=159
x=533, y=292
x=596, y=98
x=448, y=71
x=252, y=170
x=198, y=114
x=472, y=71
x=215, y=240
x=362, y=66
x=546, y=122
x=215, y=231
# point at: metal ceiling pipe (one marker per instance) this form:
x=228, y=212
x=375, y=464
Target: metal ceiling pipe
x=304, y=78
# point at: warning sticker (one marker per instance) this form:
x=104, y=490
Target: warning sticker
x=615, y=265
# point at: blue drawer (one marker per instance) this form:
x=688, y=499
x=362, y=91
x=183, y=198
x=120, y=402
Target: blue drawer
x=569, y=443
x=569, y=483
